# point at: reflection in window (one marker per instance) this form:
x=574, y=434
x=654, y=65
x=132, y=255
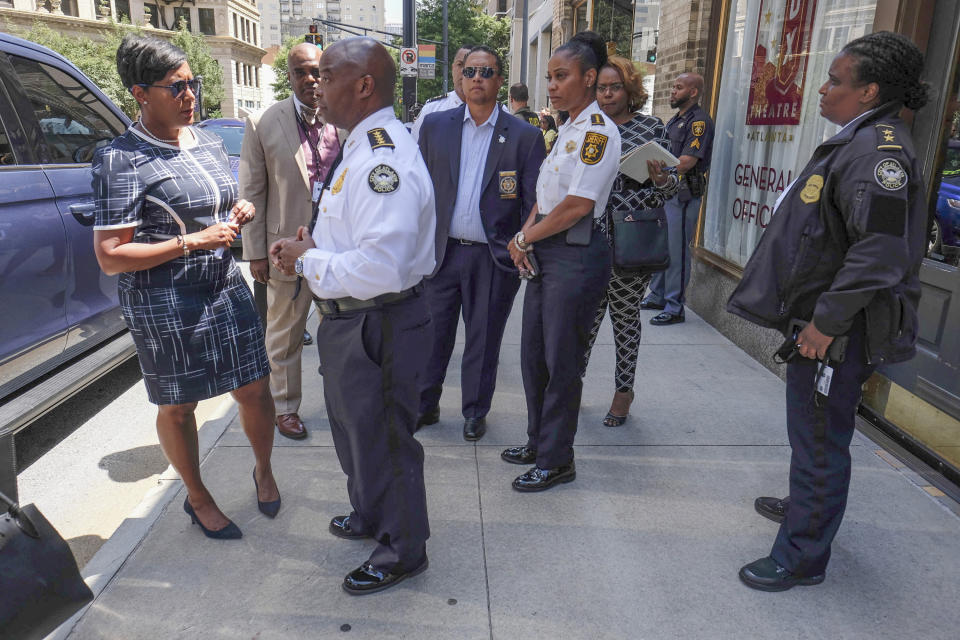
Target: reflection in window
x=944, y=243
x=207, y=23
x=74, y=122
x=182, y=13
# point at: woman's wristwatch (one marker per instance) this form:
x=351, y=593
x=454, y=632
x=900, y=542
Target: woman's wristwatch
x=521, y=241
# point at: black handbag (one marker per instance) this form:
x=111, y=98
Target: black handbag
x=39, y=579
x=640, y=242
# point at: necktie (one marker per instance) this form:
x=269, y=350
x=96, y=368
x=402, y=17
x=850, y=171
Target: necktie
x=309, y=115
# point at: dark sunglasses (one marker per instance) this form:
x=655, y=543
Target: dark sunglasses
x=485, y=72
x=179, y=87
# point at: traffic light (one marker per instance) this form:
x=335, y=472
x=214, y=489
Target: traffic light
x=313, y=37
x=652, y=55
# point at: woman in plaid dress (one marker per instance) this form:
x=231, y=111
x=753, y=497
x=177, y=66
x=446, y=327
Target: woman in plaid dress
x=620, y=94
x=166, y=213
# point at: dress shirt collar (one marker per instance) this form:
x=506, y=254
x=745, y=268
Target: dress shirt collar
x=583, y=120
x=492, y=120
x=299, y=107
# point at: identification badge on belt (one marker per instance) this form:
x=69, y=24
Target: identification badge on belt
x=824, y=377
x=508, y=185
x=317, y=188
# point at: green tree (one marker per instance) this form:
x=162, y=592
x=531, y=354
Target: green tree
x=281, y=86
x=202, y=64
x=96, y=58
x=466, y=23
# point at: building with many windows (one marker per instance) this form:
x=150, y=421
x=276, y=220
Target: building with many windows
x=231, y=27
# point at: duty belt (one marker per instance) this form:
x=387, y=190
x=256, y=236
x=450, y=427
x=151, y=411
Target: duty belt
x=335, y=306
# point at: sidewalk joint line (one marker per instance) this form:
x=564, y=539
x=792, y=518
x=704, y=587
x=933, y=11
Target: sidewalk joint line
x=483, y=541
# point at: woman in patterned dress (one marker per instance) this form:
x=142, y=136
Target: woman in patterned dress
x=167, y=211
x=620, y=94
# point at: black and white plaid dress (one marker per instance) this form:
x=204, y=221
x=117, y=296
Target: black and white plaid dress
x=192, y=318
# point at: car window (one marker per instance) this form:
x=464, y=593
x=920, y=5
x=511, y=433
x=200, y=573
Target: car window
x=232, y=137
x=6, y=149
x=73, y=119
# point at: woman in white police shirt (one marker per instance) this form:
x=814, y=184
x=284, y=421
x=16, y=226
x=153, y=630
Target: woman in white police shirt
x=571, y=266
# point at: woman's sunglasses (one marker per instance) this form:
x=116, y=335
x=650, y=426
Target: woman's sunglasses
x=485, y=72
x=179, y=87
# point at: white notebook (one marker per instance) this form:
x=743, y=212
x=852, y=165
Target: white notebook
x=634, y=164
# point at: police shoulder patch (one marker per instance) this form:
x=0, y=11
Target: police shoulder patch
x=887, y=138
x=379, y=138
x=596, y=119
x=889, y=174
x=594, y=144
x=383, y=179
x=699, y=127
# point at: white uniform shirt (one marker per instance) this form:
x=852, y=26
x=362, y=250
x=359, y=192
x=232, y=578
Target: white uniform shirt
x=376, y=223
x=450, y=101
x=583, y=162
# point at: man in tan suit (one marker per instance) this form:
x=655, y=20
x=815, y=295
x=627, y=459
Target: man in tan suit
x=287, y=152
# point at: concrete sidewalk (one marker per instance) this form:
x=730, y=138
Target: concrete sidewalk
x=645, y=544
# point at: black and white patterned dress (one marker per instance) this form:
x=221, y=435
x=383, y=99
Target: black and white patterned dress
x=192, y=318
x=624, y=294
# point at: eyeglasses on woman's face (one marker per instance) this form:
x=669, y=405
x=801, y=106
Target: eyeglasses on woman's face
x=485, y=72
x=616, y=87
x=178, y=88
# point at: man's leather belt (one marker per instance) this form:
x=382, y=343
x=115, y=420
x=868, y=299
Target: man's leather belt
x=334, y=306
x=468, y=243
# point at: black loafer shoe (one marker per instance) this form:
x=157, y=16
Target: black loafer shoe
x=431, y=416
x=538, y=479
x=772, y=508
x=340, y=527
x=652, y=305
x=766, y=574
x=666, y=318
x=519, y=455
x=474, y=428
x=307, y=338
x=368, y=579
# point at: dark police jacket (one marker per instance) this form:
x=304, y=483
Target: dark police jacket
x=508, y=188
x=691, y=134
x=849, y=236
x=528, y=115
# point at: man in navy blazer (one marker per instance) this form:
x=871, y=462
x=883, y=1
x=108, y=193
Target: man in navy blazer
x=484, y=164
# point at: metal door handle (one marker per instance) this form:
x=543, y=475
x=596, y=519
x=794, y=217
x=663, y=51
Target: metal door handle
x=83, y=212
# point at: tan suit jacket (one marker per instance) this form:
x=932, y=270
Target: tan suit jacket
x=273, y=176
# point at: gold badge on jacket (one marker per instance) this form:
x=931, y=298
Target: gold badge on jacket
x=335, y=189
x=594, y=144
x=508, y=185
x=570, y=146
x=811, y=190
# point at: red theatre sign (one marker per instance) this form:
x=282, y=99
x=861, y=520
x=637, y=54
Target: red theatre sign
x=779, y=73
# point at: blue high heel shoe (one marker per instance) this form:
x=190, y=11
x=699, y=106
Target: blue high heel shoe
x=268, y=509
x=229, y=532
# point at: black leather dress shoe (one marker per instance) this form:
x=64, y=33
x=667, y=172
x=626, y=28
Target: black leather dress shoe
x=519, y=455
x=772, y=508
x=368, y=579
x=307, y=338
x=766, y=574
x=652, y=305
x=474, y=428
x=431, y=416
x=538, y=479
x=666, y=318
x=340, y=527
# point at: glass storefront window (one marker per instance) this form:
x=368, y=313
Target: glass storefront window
x=768, y=118
x=945, y=224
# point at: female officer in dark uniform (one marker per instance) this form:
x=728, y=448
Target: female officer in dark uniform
x=574, y=263
x=843, y=253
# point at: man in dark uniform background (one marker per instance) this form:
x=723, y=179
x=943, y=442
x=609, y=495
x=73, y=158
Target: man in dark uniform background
x=372, y=245
x=691, y=140
x=519, y=96
x=842, y=253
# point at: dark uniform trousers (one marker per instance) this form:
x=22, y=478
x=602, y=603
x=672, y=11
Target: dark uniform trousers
x=470, y=279
x=820, y=463
x=373, y=362
x=558, y=311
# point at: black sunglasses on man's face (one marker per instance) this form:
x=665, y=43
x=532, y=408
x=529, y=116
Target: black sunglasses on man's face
x=485, y=72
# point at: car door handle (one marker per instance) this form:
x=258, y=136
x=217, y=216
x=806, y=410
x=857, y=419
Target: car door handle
x=83, y=212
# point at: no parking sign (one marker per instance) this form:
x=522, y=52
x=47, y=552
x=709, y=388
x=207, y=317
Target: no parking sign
x=408, y=61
